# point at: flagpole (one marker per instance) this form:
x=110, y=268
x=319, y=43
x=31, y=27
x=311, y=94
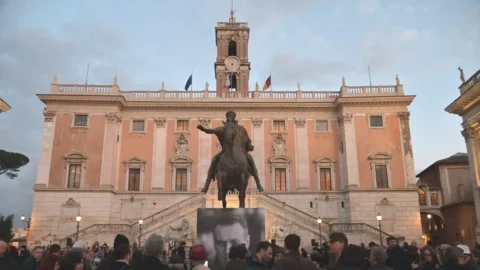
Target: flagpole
x=191, y=86
x=271, y=88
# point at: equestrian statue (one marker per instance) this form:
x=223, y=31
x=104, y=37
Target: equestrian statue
x=233, y=165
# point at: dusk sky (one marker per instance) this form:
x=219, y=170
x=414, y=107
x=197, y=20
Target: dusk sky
x=315, y=43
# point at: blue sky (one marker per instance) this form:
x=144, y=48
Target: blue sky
x=311, y=42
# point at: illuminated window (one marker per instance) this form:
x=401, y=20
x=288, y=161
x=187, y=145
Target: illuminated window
x=280, y=179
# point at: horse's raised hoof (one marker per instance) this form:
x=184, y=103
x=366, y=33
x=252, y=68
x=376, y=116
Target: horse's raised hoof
x=260, y=188
x=204, y=190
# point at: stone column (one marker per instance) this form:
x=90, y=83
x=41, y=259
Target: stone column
x=159, y=154
x=350, y=158
x=109, y=158
x=301, y=153
x=411, y=180
x=471, y=139
x=259, y=151
x=43, y=173
x=204, y=152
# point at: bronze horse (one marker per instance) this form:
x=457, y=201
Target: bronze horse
x=232, y=168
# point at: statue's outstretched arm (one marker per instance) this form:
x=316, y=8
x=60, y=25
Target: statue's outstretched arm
x=208, y=130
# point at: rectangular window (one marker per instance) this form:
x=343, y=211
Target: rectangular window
x=134, y=179
x=279, y=126
x=381, y=175
x=181, y=180
x=138, y=125
x=421, y=196
x=376, y=121
x=182, y=125
x=81, y=120
x=321, y=126
x=281, y=179
x=434, y=198
x=325, y=179
x=74, y=176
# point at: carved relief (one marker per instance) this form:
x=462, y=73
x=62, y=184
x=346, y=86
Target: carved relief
x=204, y=122
x=112, y=117
x=182, y=232
x=160, y=122
x=49, y=115
x=300, y=122
x=181, y=146
x=468, y=134
x=280, y=146
x=280, y=230
x=404, y=116
x=71, y=203
x=345, y=118
x=257, y=122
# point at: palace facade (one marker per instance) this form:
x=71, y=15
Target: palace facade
x=115, y=157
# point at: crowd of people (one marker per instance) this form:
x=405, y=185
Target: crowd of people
x=336, y=254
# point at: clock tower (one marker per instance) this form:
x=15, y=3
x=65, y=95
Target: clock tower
x=232, y=67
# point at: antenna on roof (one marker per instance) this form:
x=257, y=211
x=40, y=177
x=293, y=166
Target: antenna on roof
x=369, y=76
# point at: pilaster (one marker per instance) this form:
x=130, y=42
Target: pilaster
x=472, y=140
x=350, y=157
x=43, y=173
x=301, y=152
x=409, y=166
x=204, y=153
x=109, y=157
x=259, y=151
x=159, y=154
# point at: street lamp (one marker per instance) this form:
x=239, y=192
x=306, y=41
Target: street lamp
x=319, y=221
x=27, y=220
x=78, y=218
x=140, y=221
x=379, y=218
x=429, y=216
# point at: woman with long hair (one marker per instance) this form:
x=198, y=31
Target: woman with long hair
x=429, y=259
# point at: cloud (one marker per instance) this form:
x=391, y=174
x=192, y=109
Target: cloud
x=290, y=69
x=28, y=61
x=369, y=7
x=282, y=36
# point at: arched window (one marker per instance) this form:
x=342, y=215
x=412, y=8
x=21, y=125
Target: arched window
x=232, y=48
x=234, y=82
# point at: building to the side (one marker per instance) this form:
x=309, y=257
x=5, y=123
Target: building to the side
x=115, y=157
x=445, y=191
x=468, y=107
x=4, y=107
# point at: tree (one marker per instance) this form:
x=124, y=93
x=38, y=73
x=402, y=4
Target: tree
x=10, y=163
x=6, y=224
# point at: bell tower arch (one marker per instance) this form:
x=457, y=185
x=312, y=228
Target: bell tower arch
x=232, y=66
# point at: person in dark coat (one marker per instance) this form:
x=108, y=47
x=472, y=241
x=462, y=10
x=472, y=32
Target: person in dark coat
x=7, y=262
x=351, y=259
x=397, y=258
x=71, y=261
x=23, y=255
x=377, y=259
x=110, y=260
x=153, y=254
x=258, y=261
x=123, y=256
x=34, y=260
x=53, y=256
x=237, y=256
x=292, y=259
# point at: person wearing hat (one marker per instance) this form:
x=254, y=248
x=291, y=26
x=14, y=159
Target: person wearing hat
x=198, y=257
x=466, y=258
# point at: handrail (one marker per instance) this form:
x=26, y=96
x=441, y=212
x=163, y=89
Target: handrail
x=357, y=227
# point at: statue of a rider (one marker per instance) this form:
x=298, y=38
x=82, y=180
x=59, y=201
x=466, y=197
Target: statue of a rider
x=246, y=145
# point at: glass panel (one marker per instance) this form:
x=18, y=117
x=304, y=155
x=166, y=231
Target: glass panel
x=74, y=176
x=182, y=125
x=421, y=196
x=181, y=180
x=434, y=198
x=376, y=121
x=279, y=126
x=81, y=120
x=134, y=179
x=281, y=179
x=321, y=125
x=382, y=176
x=138, y=125
x=325, y=179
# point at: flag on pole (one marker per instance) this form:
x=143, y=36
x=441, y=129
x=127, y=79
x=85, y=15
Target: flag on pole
x=189, y=82
x=228, y=83
x=268, y=83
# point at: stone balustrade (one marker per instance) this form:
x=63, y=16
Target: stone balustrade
x=213, y=96
x=474, y=79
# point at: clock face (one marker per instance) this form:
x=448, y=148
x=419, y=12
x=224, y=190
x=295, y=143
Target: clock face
x=232, y=64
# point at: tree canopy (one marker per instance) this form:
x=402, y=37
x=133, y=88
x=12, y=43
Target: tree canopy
x=11, y=162
x=6, y=225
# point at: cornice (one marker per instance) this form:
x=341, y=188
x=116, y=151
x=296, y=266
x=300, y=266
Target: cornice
x=388, y=100
x=463, y=103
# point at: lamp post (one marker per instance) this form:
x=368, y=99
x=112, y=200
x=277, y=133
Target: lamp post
x=379, y=218
x=429, y=226
x=78, y=218
x=27, y=220
x=319, y=221
x=140, y=222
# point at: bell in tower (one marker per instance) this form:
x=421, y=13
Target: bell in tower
x=232, y=66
